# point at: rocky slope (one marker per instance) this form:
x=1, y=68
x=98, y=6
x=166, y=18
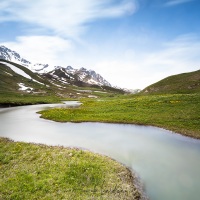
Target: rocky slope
x=17, y=80
x=66, y=75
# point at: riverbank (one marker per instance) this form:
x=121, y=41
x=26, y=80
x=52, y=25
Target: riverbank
x=30, y=171
x=175, y=112
x=9, y=99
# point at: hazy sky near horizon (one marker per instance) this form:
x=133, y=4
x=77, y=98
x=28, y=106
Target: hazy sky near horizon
x=131, y=43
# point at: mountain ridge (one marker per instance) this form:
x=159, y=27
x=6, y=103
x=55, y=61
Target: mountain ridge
x=188, y=82
x=18, y=81
x=82, y=74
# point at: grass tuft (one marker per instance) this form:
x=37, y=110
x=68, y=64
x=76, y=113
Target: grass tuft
x=29, y=171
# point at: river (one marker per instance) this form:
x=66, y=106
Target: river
x=167, y=163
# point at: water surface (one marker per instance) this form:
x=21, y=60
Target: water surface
x=167, y=163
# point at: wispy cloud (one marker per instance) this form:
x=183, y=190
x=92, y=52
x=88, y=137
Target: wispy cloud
x=144, y=68
x=41, y=49
x=68, y=18
x=176, y=2
x=132, y=69
x=56, y=24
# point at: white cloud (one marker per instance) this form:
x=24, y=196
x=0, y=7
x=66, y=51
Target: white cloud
x=133, y=69
x=67, y=19
x=41, y=49
x=64, y=17
x=181, y=54
x=176, y=2
x=139, y=70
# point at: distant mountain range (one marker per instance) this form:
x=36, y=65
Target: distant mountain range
x=67, y=75
x=18, y=80
x=61, y=77
x=70, y=75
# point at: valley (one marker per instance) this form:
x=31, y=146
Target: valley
x=126, y=122
x=159, y=158
x=20, y=86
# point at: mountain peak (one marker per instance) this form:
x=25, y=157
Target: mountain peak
x=82, y=74
x=69, y=68
x=13, y=56
x=83, y=69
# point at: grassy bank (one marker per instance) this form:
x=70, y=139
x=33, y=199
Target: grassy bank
x=176, y=112
x=11, y=99
x=29, y=171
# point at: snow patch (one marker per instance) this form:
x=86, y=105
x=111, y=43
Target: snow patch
x=100, y=92
x=24, y=88
x=56, y=84
x=93, y=82
x=92, y=96
x=38, y=82
x=88, y=91
x=20, y=72
x=17, y=70
x=9, y=74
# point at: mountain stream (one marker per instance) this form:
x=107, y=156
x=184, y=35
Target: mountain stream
x=167, y=163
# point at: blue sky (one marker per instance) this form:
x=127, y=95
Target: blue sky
x=131, y=43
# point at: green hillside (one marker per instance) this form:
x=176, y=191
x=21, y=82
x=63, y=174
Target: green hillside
x=9, y=79
x=172, y=103
x=10, y=93
x=176, y=84
x=15, y=89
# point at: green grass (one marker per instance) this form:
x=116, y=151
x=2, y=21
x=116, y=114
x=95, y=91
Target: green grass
x=176, y=112
x=177, y=84
x=42, y=93
x=29, y=171
x=11, y=99
x=11, y=95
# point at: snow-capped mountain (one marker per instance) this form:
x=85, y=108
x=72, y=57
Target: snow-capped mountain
x=7, y=54
x=70, y=75
x=89, y=76
x=66, y=75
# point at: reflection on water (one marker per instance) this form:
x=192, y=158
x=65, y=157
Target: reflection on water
x=167, y=163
